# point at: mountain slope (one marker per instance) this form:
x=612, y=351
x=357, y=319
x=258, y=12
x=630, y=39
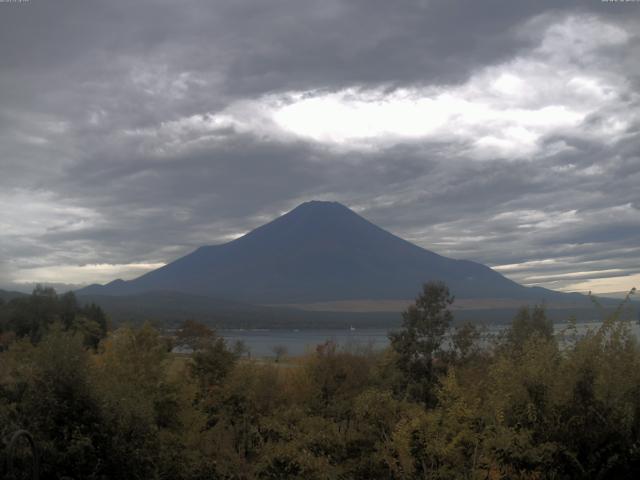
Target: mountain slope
x=6, y=295
x=320, y=251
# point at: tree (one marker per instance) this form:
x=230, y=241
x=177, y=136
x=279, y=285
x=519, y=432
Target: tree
x=194, y=335
x=423, y=329
x=33, y=316
x=96, y=316
x=68, y=309
x=59, y=406
x=212, y=363
x=528, y=323
x=465, y=342
x=280, y=351
x=138, y=402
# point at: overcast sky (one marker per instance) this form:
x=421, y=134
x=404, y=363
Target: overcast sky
x=504, y=132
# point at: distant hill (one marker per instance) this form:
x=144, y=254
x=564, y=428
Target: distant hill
x=321, y=252
x=8, y=295
x=171, y=308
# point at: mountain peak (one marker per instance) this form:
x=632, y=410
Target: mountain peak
x=321, y=206
x=319, y=251
x=309, y=219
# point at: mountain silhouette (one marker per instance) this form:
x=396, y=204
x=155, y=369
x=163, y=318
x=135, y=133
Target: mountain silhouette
x=319, y=251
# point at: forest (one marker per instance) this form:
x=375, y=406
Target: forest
x=443, y=401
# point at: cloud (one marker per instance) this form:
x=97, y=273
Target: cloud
x=505, y=110
x=84, y=274
x=610, y=284
x=506, y=133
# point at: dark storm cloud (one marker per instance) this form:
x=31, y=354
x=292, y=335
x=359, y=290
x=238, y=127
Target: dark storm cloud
x=268, y=45
x=115, y=145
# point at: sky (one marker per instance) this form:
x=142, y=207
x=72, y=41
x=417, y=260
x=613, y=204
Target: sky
x=497, y=131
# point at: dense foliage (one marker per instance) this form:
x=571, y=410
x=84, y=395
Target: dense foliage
x=33, y=317
x=439, y=403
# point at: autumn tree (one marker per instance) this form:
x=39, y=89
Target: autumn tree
x=194, y=335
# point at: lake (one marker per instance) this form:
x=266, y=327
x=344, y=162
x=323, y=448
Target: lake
x=261, y=342
x=298, y=342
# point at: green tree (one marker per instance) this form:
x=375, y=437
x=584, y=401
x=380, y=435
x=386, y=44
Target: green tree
x=213, y=362
x=465, y=343
x=68, y=307
x=32, y=316
x=527, y=323
x=93, y=323
x=57, y=403
x=418, y=343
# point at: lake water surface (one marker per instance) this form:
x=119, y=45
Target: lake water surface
x=261, y=343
